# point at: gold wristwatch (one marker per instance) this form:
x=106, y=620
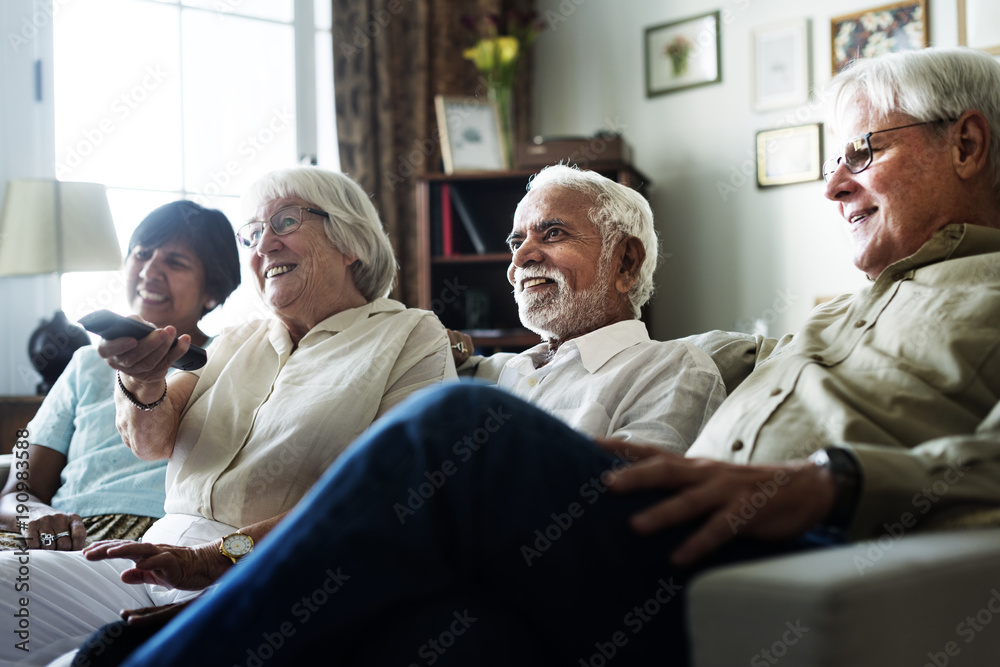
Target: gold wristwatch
x=235, y=546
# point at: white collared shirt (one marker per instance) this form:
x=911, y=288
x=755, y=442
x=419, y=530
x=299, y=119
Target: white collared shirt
x=617, y=383
x=264, y=423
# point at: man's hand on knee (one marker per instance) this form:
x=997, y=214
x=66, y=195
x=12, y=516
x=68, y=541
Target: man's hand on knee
x=767, y=502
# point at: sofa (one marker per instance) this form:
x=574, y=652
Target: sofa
x=918, y=600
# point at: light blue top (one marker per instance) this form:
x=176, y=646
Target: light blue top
x=77, y=419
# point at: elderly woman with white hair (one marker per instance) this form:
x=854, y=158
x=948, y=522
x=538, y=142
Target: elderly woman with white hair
x=277, y=402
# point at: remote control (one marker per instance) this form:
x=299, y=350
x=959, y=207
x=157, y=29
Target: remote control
x=110, y=325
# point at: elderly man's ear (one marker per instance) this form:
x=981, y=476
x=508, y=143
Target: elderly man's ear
x=629, y=256
x=971, y=150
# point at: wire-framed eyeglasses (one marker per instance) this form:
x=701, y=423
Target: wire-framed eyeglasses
x=284, y=221
x=857, y=154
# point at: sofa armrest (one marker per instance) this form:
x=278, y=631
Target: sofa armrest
x=916, y=600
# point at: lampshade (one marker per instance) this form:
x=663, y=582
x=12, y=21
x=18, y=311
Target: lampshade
x=50, y=226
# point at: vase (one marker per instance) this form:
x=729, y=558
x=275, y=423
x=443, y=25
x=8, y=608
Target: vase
x=503, y=95
x=680, y=63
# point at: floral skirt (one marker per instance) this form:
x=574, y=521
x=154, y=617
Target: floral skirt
x=102, y=527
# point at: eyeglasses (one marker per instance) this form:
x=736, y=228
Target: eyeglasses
x=857, y=155
x=285, y=221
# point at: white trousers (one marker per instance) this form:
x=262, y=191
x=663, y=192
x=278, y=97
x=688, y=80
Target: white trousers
x=51, y=601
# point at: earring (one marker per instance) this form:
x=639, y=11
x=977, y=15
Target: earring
x=212, y=304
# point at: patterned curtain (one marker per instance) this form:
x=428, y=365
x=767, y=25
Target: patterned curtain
x=390, y=60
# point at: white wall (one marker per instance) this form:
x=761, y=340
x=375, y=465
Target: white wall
x=27, y=147
x=753, y=254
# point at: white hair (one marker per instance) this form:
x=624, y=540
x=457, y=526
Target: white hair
x=618, y=211
x=926, y=85
x=353, y=226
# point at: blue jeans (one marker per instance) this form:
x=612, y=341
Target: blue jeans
x=465, y=523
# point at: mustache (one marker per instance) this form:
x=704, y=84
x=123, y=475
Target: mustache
x=527, y=273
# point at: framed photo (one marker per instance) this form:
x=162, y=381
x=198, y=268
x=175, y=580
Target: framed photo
x=896, y=27
x=683, y=54
x=470, y=135
x=790, y=155
x=781, y=65
x=979, y=25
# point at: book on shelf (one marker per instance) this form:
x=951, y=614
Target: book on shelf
x=474, y=214
x=465, y=215
x=434, y=210
x=447, y=233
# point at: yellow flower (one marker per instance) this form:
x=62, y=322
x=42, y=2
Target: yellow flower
x=508, y=47
x=493, y=52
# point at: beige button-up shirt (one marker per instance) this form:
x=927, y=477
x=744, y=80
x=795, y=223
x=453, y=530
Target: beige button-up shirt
x=264, y=422
x=905, y=374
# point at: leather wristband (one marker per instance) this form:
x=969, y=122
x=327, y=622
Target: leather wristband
x=847, y=477
x=145, y=407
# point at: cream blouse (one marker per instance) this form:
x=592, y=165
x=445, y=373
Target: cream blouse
x=265, y=421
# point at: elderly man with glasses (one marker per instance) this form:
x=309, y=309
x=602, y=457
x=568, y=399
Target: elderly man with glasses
x=832, y=435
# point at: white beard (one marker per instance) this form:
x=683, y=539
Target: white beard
x=559, y=311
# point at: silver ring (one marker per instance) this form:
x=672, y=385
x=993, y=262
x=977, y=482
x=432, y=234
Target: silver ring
x=460, y=346
x=46, y=539
x=64, y=534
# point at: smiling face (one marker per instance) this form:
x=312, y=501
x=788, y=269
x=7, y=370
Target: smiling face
x=301, y=276
x=166, y=286
x=896, y=204
x=562, y=283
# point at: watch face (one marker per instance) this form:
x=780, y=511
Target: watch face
x=237, y=545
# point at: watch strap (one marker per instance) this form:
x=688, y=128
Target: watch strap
x=847, y=477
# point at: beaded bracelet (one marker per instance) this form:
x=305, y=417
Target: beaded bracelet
x=145, y=407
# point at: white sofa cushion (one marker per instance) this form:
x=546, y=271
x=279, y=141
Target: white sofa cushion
x=923, y=600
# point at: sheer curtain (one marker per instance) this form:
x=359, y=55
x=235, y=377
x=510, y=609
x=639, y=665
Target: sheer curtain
x=388, y=66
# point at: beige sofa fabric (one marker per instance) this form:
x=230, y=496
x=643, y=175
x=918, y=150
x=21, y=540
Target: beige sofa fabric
x=913, y=600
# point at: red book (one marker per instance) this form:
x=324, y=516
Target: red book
x=447, y=247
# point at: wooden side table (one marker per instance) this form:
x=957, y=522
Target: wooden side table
x=15, y=413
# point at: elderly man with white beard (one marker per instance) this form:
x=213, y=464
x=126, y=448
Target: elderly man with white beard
x=583, y=253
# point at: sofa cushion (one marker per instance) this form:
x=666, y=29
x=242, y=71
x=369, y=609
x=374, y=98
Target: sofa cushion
x=919, y=600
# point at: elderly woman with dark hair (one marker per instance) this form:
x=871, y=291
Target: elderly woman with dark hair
x=277, y=402
x=77, y=484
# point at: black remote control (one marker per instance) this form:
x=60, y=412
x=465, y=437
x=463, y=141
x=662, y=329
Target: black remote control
x=110, y=325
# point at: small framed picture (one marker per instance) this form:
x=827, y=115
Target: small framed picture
x=470, y=135
x=789, y=155
x=897, y=27
x=979, y=25
x=683, y=54
x=781, y=65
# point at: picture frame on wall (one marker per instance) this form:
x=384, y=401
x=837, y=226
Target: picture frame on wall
x=899, y=26
x=683, y=54
x=790, y=155
x=781, y=65
x=979, y=25
x=471, y=138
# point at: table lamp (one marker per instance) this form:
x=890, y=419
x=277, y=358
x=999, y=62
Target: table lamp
x=49, y=226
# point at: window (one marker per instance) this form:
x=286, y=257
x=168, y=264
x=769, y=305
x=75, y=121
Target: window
x=168, y=99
